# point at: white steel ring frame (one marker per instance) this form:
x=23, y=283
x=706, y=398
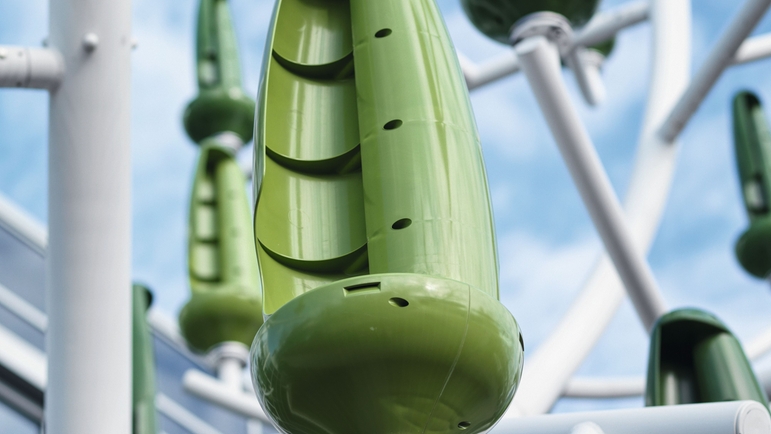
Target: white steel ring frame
x=548, y=370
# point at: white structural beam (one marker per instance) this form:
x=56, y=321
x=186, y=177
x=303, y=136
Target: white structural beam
x=602, y=27
x=752, y=49
x=491, y=70
x=721, y=56
x=182, y=416
x=605, y=25
x=25, y=67
x=22, y=226
x=585, y=65
x=89, y=220
x=541, y=64
x=759, y=345
x=23, y=309
x=552, y=364
x=734, y=417
x=205, y=387
x=601, y=388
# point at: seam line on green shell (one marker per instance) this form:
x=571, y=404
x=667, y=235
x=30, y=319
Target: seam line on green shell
x=454, y=362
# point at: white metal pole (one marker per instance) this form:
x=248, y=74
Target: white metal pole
x=733, y=417
x=752, y=49
x=541, y=64
x=606, y=24
x=587, y=75
x=721, y=57
x=553, y=363
x=89, y=221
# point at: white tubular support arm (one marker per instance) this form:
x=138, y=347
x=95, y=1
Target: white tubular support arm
x=733, y=417
x=549, y=368
x=721, y=56
x=605, y=25
x=605, y=387
x=755, y=48
x=585, y=65
x=491, y=70
x=205, y=387
x=540, y=63
x=25, y=67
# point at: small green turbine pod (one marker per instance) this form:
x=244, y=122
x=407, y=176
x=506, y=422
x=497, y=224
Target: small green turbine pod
x=221, y=105
x=752, y=141
x=694, y=358
x=496, y=18
x=226, y=301
x=143, y=362
x=374, y=229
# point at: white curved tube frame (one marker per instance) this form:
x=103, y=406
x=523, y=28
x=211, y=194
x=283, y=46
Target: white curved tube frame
x=556, y=359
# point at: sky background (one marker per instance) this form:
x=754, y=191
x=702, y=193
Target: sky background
x=547, y=244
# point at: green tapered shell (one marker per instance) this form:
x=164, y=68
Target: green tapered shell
x=226, y=299
x=374, y=229
x=496, y=18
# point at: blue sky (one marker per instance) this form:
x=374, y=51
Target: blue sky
x=547, y=243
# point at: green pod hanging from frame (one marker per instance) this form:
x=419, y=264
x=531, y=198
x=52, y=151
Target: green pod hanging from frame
x=694, y=358
x=374, y=229
x=226, y=301
x=752, y=142
x=221, y=105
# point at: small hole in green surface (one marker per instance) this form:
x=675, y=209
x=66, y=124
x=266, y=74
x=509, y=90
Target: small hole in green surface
x=401, y=224
x=522, y=342
x=464, y=425
x=392, y=125
x=382, y=33
x=399, y=302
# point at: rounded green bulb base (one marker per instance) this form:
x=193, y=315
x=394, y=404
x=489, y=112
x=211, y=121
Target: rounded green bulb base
x=217, y=111
x=388, y=354
x=212, y=318
x=753, y=249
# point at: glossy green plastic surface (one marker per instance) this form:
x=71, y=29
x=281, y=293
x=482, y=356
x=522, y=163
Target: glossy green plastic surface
x=143, y=365
x=694, y=358
x=224, y=273
x=221, y=105
x=753, y=156
x=390, y=353
x=369, y=171
x=496, y=18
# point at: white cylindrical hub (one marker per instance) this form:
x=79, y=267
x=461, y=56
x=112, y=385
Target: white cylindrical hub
x=89, y=221
x=733, y=417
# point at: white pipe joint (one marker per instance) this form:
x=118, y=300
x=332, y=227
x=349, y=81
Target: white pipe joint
x=32, y=68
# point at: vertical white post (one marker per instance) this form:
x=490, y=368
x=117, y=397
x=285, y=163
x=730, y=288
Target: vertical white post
x=89, y=256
